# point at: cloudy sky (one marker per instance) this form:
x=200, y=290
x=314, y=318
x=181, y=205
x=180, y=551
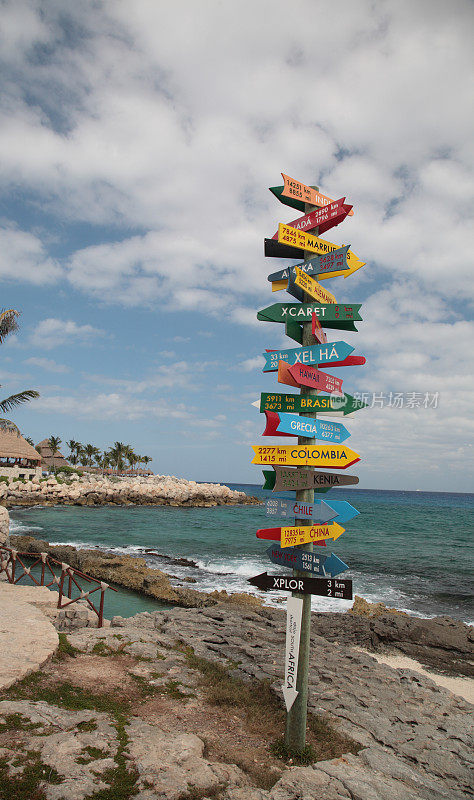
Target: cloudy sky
x=137, y=144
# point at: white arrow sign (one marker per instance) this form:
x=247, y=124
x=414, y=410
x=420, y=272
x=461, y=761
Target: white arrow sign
x=294, y=612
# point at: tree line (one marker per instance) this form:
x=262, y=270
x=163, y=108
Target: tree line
x=120, y=456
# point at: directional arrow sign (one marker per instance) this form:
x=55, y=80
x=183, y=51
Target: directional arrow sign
x=335, y=456
x=324, y=587
x=315, y=428
x=314, y=354
x=304, y=403
x=287, y=479
x=298, y=375
x=307, y=284
x=269, y=483
x=328, y=313
x=320, y=511
x=280, y=424
x=335, y=261
x=350, y=361
x=317, y=329
x=292, y=649
x=301, y=534
x=296, y=194
x=313, y=244
x=323, y=218
x=304, y=561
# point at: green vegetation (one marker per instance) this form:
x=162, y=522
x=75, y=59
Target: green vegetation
x=26, y=784
x=65, y=648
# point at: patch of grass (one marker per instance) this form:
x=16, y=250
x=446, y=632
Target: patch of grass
x=27, y=784
x=91, y=754
x=101, y=648
x=288, y=754
x=65, y=648
x=87, y=725
x=173, y=690
x=17, y=722
x=65, y=695
x=122, y=780
x=117, y=636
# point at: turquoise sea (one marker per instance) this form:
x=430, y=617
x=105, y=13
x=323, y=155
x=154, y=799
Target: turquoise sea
x=410, y=550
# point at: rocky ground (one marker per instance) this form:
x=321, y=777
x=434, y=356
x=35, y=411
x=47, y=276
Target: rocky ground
x=94, y=490
x=186, y=704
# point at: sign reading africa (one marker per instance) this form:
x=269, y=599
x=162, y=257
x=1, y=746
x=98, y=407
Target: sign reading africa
x=306, y=241
x=298, y=403
x=335, y=456
x=314, y=354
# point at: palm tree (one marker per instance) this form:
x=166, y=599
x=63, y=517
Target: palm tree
x=29, y=440
x=74, y=448
x=146, y=460
x=118, y=454
x=53, y=443
x=131, y=456
x=8, y=324
x=91, y=452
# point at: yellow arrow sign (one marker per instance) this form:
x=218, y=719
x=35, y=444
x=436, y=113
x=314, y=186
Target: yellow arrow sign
x=313, y=244
x=311, y=287
x=336, y=456
x=310, y=533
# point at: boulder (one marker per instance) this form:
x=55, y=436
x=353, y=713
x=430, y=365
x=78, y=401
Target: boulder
x=4, y=526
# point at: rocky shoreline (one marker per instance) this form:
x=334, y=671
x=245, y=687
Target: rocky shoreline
x=442, y=643
x=98, y=490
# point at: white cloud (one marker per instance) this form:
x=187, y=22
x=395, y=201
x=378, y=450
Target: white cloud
x=54, y=332
x=23, y=257
x=249, y=364
x=47, y=364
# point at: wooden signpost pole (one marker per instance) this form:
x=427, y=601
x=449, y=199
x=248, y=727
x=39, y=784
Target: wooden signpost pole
x=295, y=732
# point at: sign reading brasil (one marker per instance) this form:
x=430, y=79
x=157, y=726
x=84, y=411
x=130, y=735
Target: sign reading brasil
x=271, y=401
x=314, y=354
x=336, y=456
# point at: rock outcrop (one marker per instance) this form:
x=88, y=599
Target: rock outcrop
x=97, y=490
x=4, y=526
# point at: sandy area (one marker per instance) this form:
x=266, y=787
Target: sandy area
x=464, y=687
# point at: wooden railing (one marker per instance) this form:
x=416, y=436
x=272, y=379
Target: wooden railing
x=12, y=560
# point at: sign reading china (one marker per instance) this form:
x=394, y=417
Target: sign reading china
x=305, y=241
x=303, y=534
x=311, y=287
x=335, y=456
x=304, y=193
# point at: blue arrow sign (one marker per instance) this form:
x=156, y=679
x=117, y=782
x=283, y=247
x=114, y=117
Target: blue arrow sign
x=314, y=428
x=299, y=509
x=344, y=510
x=315, y=354
x=307, y=562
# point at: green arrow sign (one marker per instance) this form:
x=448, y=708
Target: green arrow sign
x=330, y=315
x=298, y=403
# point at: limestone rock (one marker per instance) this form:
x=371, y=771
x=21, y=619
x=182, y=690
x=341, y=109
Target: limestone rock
x=4, y=526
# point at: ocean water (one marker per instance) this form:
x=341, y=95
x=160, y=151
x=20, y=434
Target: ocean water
x=409, y=550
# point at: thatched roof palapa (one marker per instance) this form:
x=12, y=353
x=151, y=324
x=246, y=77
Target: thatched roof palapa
x=13, y=445
x=47, y=456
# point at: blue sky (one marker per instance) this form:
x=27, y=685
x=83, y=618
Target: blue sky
x=137, y=145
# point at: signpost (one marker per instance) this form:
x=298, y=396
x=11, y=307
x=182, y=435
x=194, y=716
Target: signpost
x=335, y=456
x=340, y=406
x=304, y=322
x=324, y=587
x=315, y=354
x=286, y=479
x=317, y=563
x=298, y=375
x=300, y=534
x=324, y=218
x=320, y=511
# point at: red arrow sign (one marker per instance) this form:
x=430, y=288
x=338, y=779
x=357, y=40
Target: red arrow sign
x=317, y=329
x=273, y=421
x=300, y=375
x=323, y=218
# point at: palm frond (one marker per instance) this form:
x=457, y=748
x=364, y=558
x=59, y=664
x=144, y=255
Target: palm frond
x=7, y=425
x=17, y=399
x=8, y=323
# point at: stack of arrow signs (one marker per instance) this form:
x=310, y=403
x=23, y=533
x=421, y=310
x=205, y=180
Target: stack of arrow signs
x=293, y=464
